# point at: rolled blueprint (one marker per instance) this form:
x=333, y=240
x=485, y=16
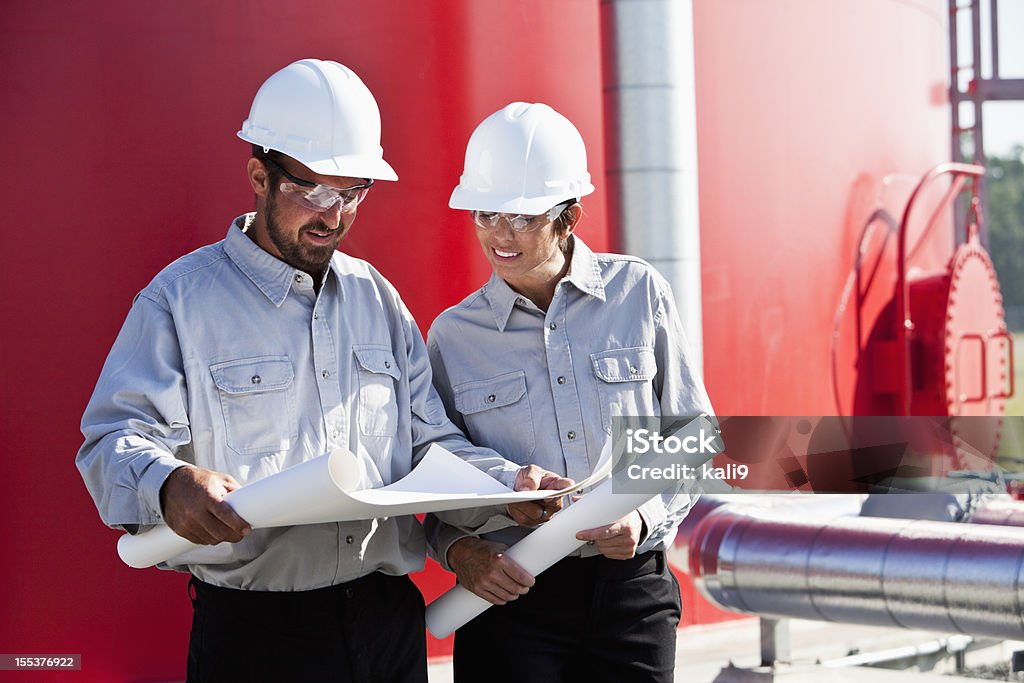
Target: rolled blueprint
x=554, y=540
x=321, y=490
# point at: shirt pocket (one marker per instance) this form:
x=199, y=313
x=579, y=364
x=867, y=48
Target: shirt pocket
x=257, y=398
x=625, y=383
x=378, y=400
x=497, y=414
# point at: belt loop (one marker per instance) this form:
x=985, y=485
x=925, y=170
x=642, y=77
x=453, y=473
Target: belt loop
x=192, y=590
x=659, y=557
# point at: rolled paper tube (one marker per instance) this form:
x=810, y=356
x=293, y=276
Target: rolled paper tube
x=541, y=549
x=552, y=541
x=323, y=490
x=311, y=487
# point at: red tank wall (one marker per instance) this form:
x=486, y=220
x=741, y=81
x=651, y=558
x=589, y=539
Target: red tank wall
x=119, y=124
x=811, y=115
x=120, y=121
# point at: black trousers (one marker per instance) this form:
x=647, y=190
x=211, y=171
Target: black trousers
x=586, y=619
x=367, y=630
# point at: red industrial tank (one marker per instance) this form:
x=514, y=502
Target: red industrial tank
x=815, y=122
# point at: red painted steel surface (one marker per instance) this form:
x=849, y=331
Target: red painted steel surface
x=811, y=117
x=119, y=122
x=119, y=126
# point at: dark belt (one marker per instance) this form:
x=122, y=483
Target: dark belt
x=650, y=562
x=227, y=597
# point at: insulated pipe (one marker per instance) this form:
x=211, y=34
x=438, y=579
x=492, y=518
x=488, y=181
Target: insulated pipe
x=1000, y=512
x=940, y=576
x=760, y=505
x=650, y=103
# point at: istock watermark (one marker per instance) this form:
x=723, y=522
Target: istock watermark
x=817, y=454
x=658, y=454
x=678, y=472
x=641, y=441
x=706, y=442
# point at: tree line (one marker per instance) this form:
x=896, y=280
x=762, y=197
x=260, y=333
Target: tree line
x=1005, y=220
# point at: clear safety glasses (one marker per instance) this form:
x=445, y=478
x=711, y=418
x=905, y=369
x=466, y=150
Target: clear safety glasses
x=519, y=222
x=316, y=197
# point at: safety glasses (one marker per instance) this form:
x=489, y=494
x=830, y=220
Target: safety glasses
x=519, y=222
x=317, y=197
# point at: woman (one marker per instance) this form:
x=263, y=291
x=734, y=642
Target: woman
x=536, y=364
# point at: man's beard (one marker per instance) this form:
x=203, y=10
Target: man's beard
x=307, y=258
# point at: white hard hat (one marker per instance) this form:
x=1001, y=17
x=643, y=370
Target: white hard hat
x=523, y=159
x=321, y=114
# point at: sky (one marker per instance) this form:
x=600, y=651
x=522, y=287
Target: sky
x=1003, y=122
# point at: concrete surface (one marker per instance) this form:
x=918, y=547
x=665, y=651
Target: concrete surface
x=730, y=653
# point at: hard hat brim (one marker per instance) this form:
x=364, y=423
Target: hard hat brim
x=351, y=166
x=474, y=200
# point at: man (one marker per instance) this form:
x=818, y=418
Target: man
x=261, y=351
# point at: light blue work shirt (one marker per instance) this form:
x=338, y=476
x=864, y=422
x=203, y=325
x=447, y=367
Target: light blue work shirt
x=230, y=360
x=542, y=387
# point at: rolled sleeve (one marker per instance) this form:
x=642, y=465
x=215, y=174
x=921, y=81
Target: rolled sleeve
x=661, y=516
x=681, y=393
x=136, y=420
x=440, y=538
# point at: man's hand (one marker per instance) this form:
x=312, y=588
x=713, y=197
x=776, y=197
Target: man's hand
x=618, y=540
x=534, y=478
x=484, y=569
x=192, y=499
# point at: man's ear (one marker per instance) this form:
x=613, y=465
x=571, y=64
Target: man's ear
x=259, y=178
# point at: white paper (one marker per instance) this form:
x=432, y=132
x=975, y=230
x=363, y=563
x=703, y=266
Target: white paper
x=552, y=541
x=320, y=490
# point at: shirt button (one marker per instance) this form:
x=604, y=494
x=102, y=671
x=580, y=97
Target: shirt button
x=325, y=374
x=349, y=592
x=316, y=316
x=561, y=380
x=298, y=278
x=632, y=369
x=492, y=398
x=256, y=379
x=334, y=433
x=349, y=539
x=571, y=436
x=552, y=326
x=387, y=364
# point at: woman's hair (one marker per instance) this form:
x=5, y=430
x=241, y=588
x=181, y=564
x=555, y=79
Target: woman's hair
x=562, y=224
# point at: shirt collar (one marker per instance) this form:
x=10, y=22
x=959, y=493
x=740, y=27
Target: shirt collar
x=501, y=298
x=584, y=274
x=271, y=275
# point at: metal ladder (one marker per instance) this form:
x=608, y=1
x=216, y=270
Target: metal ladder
x=978, y=90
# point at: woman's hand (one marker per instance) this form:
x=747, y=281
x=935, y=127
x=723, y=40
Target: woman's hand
x=618, y=540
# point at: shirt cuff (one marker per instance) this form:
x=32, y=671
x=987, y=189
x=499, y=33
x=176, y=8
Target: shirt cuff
x=150, y=483
x=506, y=474
x=653, y=514
x=446, y=538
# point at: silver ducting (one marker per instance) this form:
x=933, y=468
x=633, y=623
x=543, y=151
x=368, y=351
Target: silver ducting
x=650, y=103
x=939, y=576
x=1006, y=512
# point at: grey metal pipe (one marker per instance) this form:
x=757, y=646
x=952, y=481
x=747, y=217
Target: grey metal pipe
x=1004, y=512
x=650, y=103
x=941, y=576
x=761, y=505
